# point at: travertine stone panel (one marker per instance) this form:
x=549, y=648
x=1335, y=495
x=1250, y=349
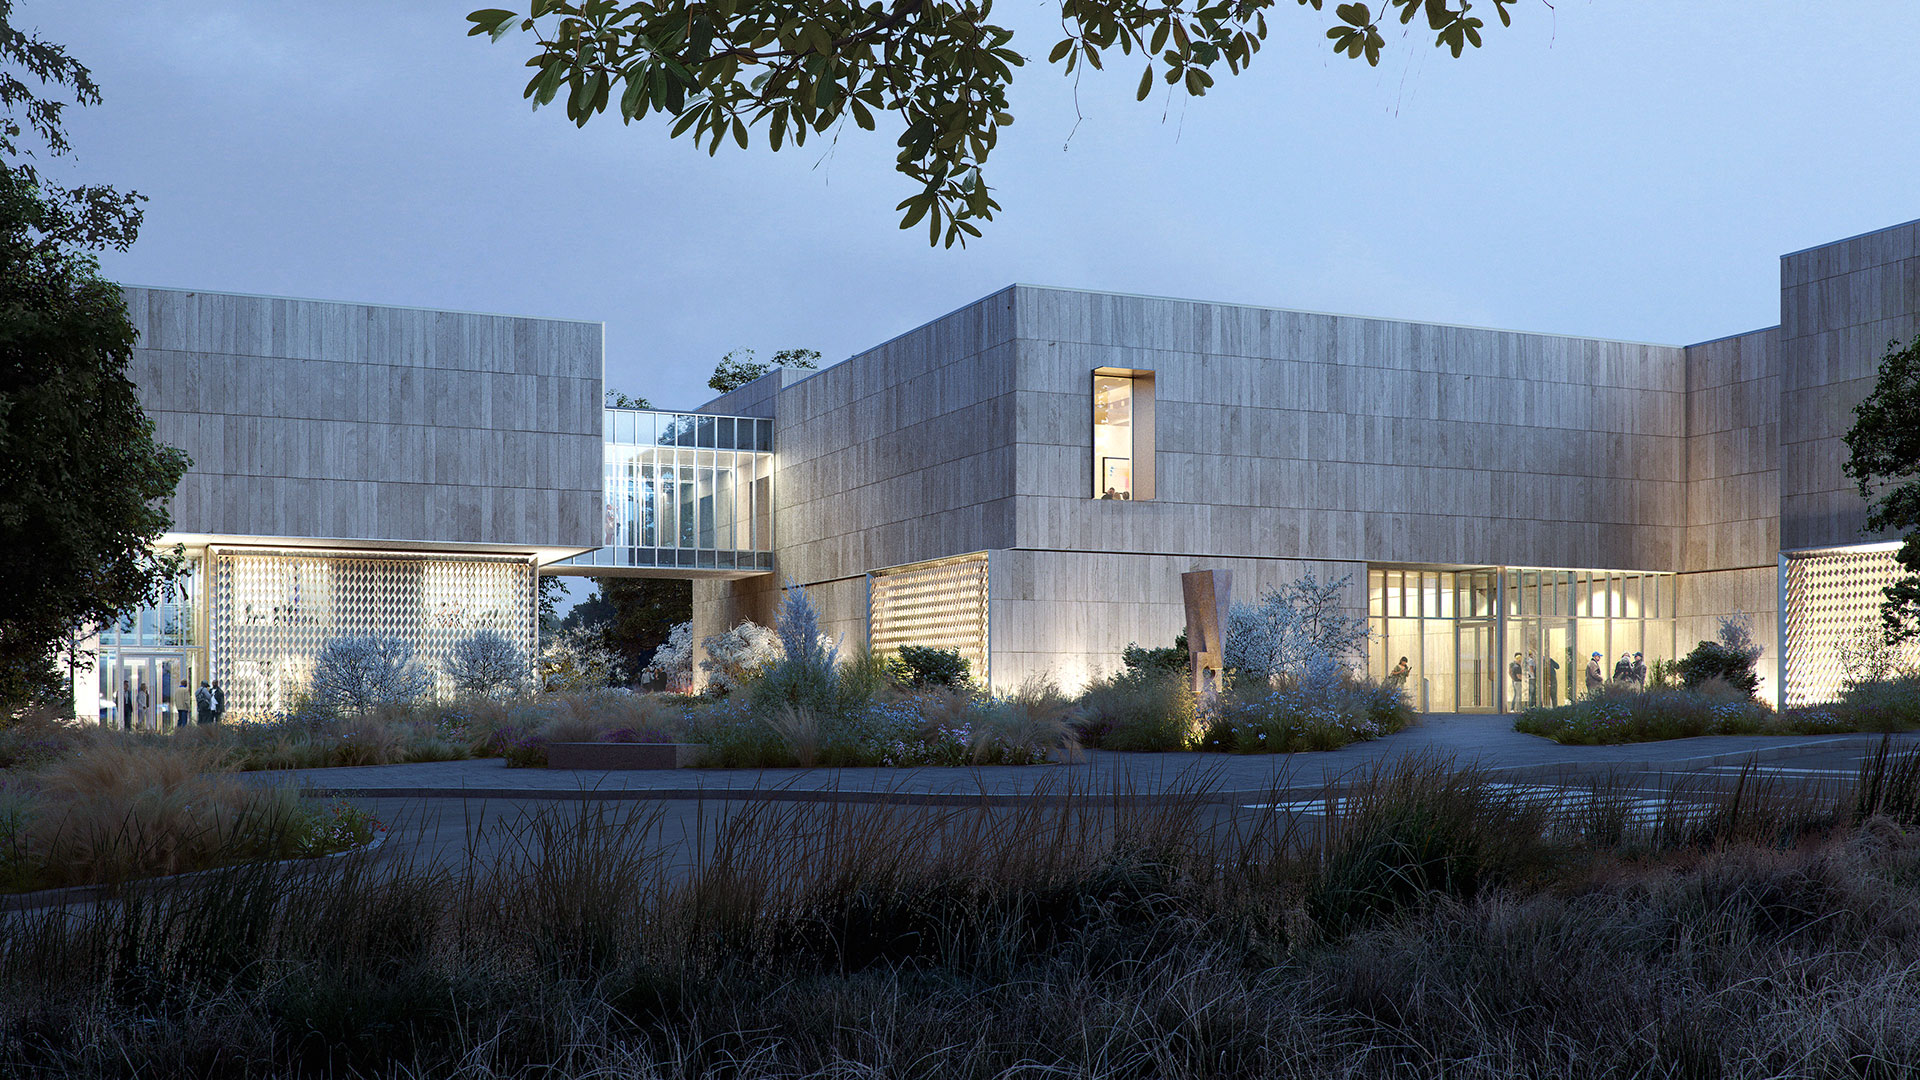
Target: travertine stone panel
x=1300, y=435
x=1706, y=597
x=1067, y=615
x=1733, y=452
x=354, y=422
x=1840, y=304
x=898, y=455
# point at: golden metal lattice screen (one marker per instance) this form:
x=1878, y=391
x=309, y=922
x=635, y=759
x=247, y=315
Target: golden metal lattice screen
x=1829, y=596
x=272, y=613
x=941, y=604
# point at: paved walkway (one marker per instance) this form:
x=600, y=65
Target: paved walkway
x=1486, y=741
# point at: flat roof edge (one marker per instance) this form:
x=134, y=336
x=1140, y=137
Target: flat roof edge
x=1342, y=315
x=364, y=303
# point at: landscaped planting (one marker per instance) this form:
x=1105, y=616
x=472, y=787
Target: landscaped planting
x=1439, y=924
x=107, y=814
x=1624, y=714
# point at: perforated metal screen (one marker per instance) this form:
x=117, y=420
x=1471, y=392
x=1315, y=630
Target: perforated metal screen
x=1827, y=596
x=939, y=604
x=272, y=612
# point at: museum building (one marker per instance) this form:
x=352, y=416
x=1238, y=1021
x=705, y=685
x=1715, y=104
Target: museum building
x=1025, y=480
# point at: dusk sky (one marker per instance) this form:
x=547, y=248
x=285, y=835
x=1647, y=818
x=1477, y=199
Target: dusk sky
x=1627, y=170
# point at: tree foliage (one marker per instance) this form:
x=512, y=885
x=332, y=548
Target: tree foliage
x=354, y=674
x=486, y=664
x=1730, y=658
x=83, y=495
x=738, y=368
x=793, y=68
x=1884, y=461
x=619, y=400
x=90, y=215
x=1300, y=629
x=633, y=616
x=921, y=666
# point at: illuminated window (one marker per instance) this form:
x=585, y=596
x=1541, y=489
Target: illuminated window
x=1122, y=434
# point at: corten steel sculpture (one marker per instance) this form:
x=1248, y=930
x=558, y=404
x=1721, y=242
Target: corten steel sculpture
x=1207, y=593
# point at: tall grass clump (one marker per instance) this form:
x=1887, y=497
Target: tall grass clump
x=1437, y=924
x=1141, y=709
x=114, y=813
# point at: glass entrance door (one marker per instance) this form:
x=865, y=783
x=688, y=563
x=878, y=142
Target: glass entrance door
x=142, y=686
x=1479, y=667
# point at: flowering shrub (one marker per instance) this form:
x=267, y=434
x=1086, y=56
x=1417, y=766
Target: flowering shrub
x=1622, y=715
x=355, y=674
x=519, y=748
x=672, y=663
x=485, y=664
x=739, y=656
x=1307, y=714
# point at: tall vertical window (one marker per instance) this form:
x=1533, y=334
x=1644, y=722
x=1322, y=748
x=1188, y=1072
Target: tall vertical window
x=1122, y=434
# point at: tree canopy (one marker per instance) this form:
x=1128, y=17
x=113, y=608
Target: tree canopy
x=1884, y=461
x=721, y=68
x=83, y=495
x=738, y=368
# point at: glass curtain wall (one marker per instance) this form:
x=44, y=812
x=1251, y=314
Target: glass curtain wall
x=1498, y=639
x=686, y=490
x=143, y=659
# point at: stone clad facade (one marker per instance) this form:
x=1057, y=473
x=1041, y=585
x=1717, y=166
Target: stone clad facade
x=1286, y=442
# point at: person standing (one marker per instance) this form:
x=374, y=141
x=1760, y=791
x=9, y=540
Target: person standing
x=182, y=706
x=143, y=702
x=1553, y=681
x=203, y=704
x=1640, y=670
x=1596, y=676
x=1533, y=680
x=1623, y=669
x=1515, y=671
x=219, y=702
x=126, y=706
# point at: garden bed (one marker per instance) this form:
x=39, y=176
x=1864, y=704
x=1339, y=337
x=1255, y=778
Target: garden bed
x=1626, y=716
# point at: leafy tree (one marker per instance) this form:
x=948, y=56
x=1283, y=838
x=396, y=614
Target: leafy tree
x=672, y=663
x=354, y=674
x=1297, y=630
x=738, y=368
x=633, y=616
x=91, y=215
x=619, y=400
x=1884, y=461
x=720, y=68
x=82, y=495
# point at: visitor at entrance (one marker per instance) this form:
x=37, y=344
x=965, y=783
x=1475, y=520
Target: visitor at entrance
x=1553, y=681
x=126, y=707
x=219, y=702
x=203, y=704
x=1533, y=680
x=1640, y=670
x=143, y=702
x=182, y=706
x=1514, y=672
x=1596, y=677
x=1623, y=670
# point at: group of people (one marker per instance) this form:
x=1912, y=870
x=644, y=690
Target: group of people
x=205, y=705
x=1525, y=673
